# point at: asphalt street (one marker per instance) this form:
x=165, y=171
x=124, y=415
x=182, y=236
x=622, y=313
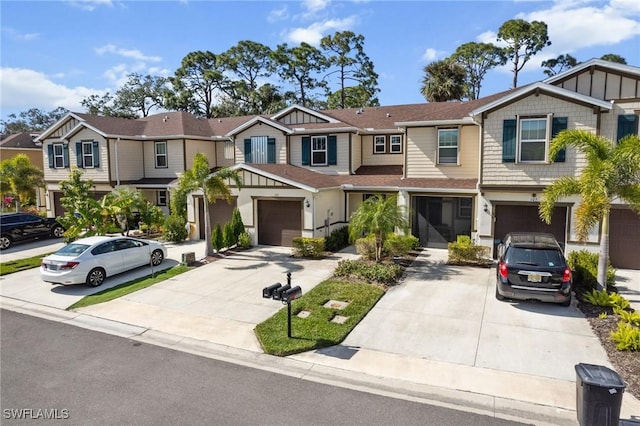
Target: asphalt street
x=85, y=377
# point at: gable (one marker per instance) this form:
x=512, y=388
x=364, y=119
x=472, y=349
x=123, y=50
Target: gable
x=297, y=116
x=254, y=180
x=602, y=83
x=64, y=128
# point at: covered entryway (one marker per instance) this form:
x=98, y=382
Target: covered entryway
x=220, y=213
x=437, y=221
x=279, y=222
x=525, y=218
x=624, y=236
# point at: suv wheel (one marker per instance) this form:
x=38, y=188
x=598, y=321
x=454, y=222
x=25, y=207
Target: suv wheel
x=498, y=295
x=5, y=242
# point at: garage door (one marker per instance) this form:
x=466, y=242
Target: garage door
x=624, y=234
x=279, y=222
x=511, y=218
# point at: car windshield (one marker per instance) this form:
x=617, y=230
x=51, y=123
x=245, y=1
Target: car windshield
x=534, y=256
x=73, y=249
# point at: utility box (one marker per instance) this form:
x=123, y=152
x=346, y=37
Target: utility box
x=188, y=258
x=599, y=393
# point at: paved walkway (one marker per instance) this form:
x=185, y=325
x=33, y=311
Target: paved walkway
x=439, y=337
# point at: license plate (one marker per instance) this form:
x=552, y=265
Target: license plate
x=534, y=278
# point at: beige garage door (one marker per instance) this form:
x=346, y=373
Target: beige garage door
x=624, y=238
x=279, y=222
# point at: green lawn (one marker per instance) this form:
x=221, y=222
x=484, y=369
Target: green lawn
x=129, y=287
x=317, y=330
x=21, y=264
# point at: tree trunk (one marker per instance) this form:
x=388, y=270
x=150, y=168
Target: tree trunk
x=603, y=256
x=208, y=250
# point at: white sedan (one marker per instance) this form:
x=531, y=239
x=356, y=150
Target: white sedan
x=91, y=260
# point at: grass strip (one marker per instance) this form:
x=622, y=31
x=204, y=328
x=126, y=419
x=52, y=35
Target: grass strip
x=317, y=330
x=129, y=287
x=18, y=265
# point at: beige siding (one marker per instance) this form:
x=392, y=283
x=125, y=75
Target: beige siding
x=175, y=160
x=356, y=151
x=603, y=85
x=300, y=117
x=64, y=128
x=129, y=158
x=35, y=155
x=193, y=147
x=221, y=160
x=609, y=122
x=262, y=130
x=496, y=172
x=386, y=159
x=342, y=167
x=422, y=152
x=97, y=174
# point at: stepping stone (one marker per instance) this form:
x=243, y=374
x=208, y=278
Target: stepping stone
x=303, y=314
x=339, y=319
x=336, y=304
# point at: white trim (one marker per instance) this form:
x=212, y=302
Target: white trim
x=593, y=62
x=452, y=122
x=255, y=120
x=305, y=110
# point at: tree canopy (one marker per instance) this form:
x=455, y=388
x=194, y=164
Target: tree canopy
x=444, y=80
x=477, y=59
x=524, y=39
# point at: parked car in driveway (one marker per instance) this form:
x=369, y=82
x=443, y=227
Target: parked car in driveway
x=91, y=260
x=15, y=227
x=533, y=266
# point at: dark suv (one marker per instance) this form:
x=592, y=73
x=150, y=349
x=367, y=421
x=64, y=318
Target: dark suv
x=533, y=266
x=26, y=226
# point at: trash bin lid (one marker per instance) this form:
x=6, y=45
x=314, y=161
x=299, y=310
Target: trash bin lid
x=599, y=375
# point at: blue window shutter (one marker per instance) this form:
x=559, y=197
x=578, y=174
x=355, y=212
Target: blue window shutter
x=247, y=151
x=627, y=125
x=306, y=150
x=559, y=124
x=509, y=141
x=50, y=154
x=65, y=155
x=96, y=154
x=79, y=154
x=271, y=150
x=332, y=148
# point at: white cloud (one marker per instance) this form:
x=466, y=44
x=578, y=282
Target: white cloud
x=23, y=89
x=432, y=54
x=277, y=15
x=15, y=35
x=90, y=5
x=126, y=53
x=314, y=6
x=314, y=32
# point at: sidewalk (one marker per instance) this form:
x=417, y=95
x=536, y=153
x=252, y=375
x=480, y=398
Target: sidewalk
x=212, y=311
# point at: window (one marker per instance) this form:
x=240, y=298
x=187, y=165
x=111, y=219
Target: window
x=260, y=150
x=229, y=150
x=161, y=198
x=464, y=208
x=87, y=154
x=58, y=156
x=533, y=139
x=319, y=151
x=379, y=144
x=395, y=144
x=161, y=155
x=447, y=146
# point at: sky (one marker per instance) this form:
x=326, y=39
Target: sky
x=56, y=53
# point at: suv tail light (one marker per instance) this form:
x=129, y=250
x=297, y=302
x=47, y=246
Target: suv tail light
x=502, y=267
x=566, y=277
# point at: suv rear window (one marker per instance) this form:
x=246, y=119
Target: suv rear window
x=535, y=256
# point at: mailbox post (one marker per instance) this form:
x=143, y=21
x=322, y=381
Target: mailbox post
x=284, y=293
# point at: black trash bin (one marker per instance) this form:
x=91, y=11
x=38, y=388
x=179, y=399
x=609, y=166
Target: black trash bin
x=598, y=395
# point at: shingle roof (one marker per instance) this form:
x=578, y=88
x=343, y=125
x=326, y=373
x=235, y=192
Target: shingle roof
x=301, y=175
x=23, y=140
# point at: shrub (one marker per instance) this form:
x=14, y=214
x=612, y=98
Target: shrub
x=174, y=228
x=217, y=239
x=337, y=240
x=399, y=245
x=236, y=224
x=308, y=247
x=584, y=266
x=228, y=236
x=598, y=298
x=366, y=247
x=244, y=240
x=385, y=273
x=619, y=302
x=631, y=317
x=627, y=337
x=465, y=251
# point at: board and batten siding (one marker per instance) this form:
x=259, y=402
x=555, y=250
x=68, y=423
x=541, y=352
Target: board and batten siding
x=342, y=150
x=602, y=85
x=422, y=154
x=261, y=130
x=386, y=159
x=129, y=160
x=175, y=159
x=495, y=172
x=193, y=147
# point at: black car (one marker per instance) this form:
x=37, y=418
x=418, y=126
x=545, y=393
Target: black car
x=16, y=227
x=532, y=266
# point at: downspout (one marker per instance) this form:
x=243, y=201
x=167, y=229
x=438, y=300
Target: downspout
x=117, y=165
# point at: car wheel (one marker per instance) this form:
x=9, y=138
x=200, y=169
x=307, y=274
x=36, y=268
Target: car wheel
x=498, y=295
x=57, y=231
x=566, y=303
x=96, y=277
x=157, y=257
x=5, y=242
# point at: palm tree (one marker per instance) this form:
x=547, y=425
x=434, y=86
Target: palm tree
x=612, y=172
x=443, y=81
x=21, y=178
x=214, y=186
x=378, y=215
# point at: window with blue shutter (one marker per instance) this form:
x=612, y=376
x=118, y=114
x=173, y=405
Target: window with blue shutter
x=58, y=155
x=96, y=154
x=559, y=124
x=50, y=155
x=65, y=155
x=627, y=125
x=332, y=152
x=509, y=141
x=79, y=154
x=306, y=150
x=271, y=150
x=247, y=151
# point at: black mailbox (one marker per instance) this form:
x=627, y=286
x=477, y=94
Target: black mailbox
x=292, y=294
x=267, y=292
x=277, y=294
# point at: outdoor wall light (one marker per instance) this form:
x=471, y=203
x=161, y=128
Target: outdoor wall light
x=486, y=208
x=306, y=203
